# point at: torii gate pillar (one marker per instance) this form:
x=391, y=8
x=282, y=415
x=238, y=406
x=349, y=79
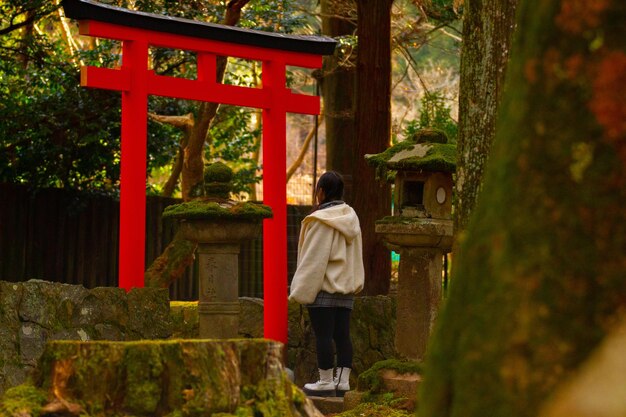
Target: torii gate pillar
x=139, y=31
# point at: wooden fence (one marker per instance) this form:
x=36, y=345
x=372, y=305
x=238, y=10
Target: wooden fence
x=71, y=237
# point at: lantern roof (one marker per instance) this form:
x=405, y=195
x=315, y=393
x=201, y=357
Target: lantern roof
x=427, y=150
x=93, y=10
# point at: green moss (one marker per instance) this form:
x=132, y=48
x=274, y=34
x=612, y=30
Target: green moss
x=24, y=400
x=218, y=172
x=183, y=304
x=380, y=159
x=217, y=189
x=374, y=410
x=440, y=156
x=371, y=379
x=218, y=180
x=179, y=377
x=388, y=399
x=399, y=220
x=227, y=210
x=144, y=367
x=184, y=317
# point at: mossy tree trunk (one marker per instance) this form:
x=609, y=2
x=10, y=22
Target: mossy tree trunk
x=540, y=277
x=371, y=198
x=487, y=32
x=338, y=90
x=241, y=377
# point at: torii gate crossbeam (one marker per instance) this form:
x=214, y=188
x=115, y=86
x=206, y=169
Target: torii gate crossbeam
x=138, y=32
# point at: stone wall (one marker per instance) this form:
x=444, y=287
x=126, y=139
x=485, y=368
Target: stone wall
x=372, y=329
x=34, y=312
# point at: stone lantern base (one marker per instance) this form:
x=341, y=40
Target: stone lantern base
x=421, y=244
x=218, y=258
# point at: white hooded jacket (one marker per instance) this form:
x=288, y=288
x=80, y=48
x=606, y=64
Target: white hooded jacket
x=330, y=254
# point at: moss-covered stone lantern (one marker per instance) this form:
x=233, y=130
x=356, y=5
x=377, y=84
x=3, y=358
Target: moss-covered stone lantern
x=420, y=229
x=219, y=225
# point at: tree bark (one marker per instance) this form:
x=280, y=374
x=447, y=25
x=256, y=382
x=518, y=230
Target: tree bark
x=303, y=151
x=338, y=90
x=166, y=268
x=193, y=162
x=371, y=198
x=487, y=33
x=172, y=263
x=540, y=277
x=193, y=158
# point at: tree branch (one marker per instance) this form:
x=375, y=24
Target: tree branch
x=184, y=122
x=292, y=169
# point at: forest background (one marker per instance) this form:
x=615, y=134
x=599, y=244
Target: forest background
x=56, y=134
x=403, y=76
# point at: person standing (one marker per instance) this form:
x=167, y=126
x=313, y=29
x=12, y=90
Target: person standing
x=329, y=273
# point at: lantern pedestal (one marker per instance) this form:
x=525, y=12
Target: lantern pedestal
x=218, y=258
x=421, y=244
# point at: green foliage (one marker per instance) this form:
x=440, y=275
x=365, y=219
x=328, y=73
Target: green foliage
x=16, y=15
x=23, y=400
x=440, y=10
x=434, y=114
x=55, y=133
x=273, y=15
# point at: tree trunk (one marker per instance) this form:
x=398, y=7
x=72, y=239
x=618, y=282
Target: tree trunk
x=487, y=32
x=172, y=263
x=193, y=162
x=160, y=377
x=371, y=198
x=540, y=277
x=338, y=90
x=166, y=268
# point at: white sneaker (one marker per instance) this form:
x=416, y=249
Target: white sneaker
x=325, y=387
x=342, y=381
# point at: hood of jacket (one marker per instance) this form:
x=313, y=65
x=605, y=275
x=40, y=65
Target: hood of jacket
x=341, y=217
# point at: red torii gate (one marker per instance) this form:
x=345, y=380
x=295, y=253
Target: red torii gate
x=138, y=31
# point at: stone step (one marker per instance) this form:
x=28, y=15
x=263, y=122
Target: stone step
x=403, y=385
x=328, y=405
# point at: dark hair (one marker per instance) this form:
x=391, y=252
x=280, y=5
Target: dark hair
x=332, y=184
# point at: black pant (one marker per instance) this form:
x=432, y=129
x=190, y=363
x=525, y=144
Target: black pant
x=332, y=323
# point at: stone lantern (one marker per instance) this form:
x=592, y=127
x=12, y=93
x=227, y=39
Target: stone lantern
x=420, y=230
x=219, y=225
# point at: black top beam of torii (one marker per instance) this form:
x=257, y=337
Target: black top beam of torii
x=93, y=10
